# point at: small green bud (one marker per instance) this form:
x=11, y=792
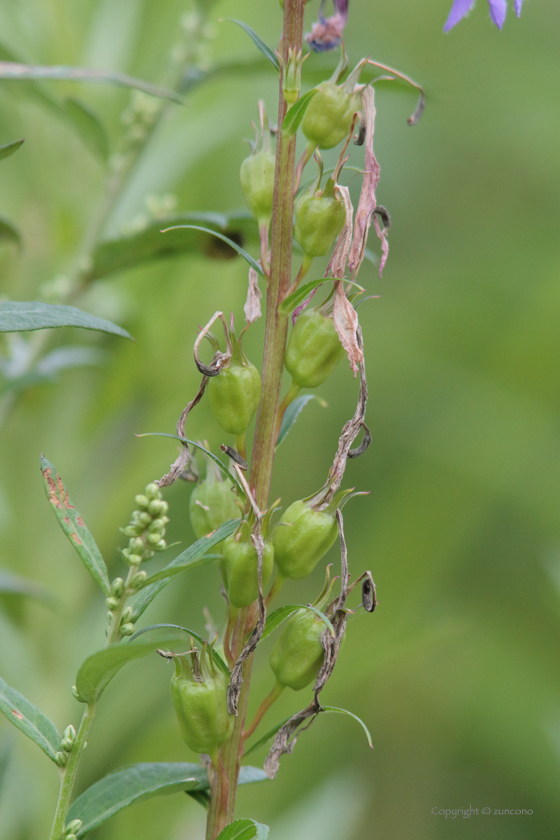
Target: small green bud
x=73, y=826
x=117, y=588
x=77, y=696
x=69, y=732
x=127, y=629
x=144, y=518
x=136, y=544
x=319, y=218
x=291, y=77
x=132, y=530
x=329, y=115
x=67, y=744
x=161, y=545
x=127, y=614
x=235, y=393
x=112, y=603
x=134, y=559
x=314, y=349
x=70, y=837
x=138, y=579
x=157, y=526
x=241, y=567
x=60, y=758
x=152, y=491
x=142, y=501
x=153, y=539
x=301, y=538
x=199, y=693
x=298, y=654
x=158, y=507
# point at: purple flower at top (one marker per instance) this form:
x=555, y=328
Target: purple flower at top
x=498, y=10
x=326, y=34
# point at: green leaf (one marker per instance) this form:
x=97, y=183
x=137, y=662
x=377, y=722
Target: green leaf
x=14, y=585
x=34, y=315
x=292, y=413
x=278, y=616
x=259, y=43
x=216, y=656
x=270, y=734
x=244, y=830
x=295, y=114
x=150, y=244
x=70, y=356
x=138, y=782
x=221, y=466
x=8, y=232
x=247, y=257
x=29, y=720
x=200, y=796
x=345, y=712
x=97, y=671
x=14, y=71
x=293, y=301
x=197, y=550
x=10, y=148
x=88, y=126
x=195, y=554
x=73, y=526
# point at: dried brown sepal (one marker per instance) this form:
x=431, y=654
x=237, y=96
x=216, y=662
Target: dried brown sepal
x=345, y=321
x=183, y=466
x=236, y=680
x=369, y=596
x=235, y=456
x=337, y=264
x=219, y=359
x=252, y=306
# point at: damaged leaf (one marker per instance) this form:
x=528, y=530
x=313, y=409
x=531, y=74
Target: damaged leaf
x=346, y=324
x=252, y=306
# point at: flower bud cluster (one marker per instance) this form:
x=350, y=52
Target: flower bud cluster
x=146, y=530
x=71, y=830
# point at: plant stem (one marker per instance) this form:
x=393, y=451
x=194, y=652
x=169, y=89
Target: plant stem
x=262, y=460
x=68, y=773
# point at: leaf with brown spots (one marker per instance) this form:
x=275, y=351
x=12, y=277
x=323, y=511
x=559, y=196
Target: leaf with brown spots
x=73, y=526
x=29, y=720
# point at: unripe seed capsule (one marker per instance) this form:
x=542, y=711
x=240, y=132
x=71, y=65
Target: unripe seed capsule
x=257, y=183
x=241, y=567
x=235, y=393
x=211, y=504
x=301, y=538
x=314, y=349
x=319, y=218
x=329, y=115
x=298, y=654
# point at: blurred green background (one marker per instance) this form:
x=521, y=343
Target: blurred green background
x=456, y=673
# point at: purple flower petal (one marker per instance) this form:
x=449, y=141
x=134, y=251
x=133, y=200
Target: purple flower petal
x=458, y=11
x=498, y=9
x=518, y=4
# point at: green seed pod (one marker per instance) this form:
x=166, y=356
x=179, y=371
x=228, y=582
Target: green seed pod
x=298, y=654
x=319, y=218
x=199, y=692
x=301, y=538
x=257, y=176
x=314, y=349
x=328, y=117
x=211, y=504
x=235, y=393
x=241, y=567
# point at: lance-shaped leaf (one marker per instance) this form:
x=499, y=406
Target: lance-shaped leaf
x=14, y=71
x=29, y=720
x=35, y=315
x=88, y=126
x=293, y=411
x=293, y=301
x=278, y=616
x=268, y=53
x=8, y=232
x=345, y=320
x=244, y=830
x=151, y=244
x=97, y=671
x=138, y=782
x=187, y=559
x=296, y=113
x=73, y=526
x=355, y=717
x=242, y=253
x=9, y=149
x=14, y=585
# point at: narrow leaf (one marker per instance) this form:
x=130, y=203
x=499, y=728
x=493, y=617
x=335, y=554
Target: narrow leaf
x=221, y=466
x=73, y=526
x=292, y=301
x=9, y=149
x=244, y=830
x=88, y=126
x=242, y=253
x=295, y=114
x=13, y=71
x=150, y=244
x=259, y=43
x=200, y=796
x=27, y=717
x=195, y=554
x=14, y=585
x=270, y=734
x=188, y=633
x=8, y=232
x=196, y=550
x=97, y=671
x=293, y=411
x=345, y=712
x=73, y=355
x=34, y=315
x=278, y=616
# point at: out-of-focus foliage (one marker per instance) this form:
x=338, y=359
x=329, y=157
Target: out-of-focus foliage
x=456, y=672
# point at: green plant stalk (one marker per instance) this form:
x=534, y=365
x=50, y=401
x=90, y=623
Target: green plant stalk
x=222, y=796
